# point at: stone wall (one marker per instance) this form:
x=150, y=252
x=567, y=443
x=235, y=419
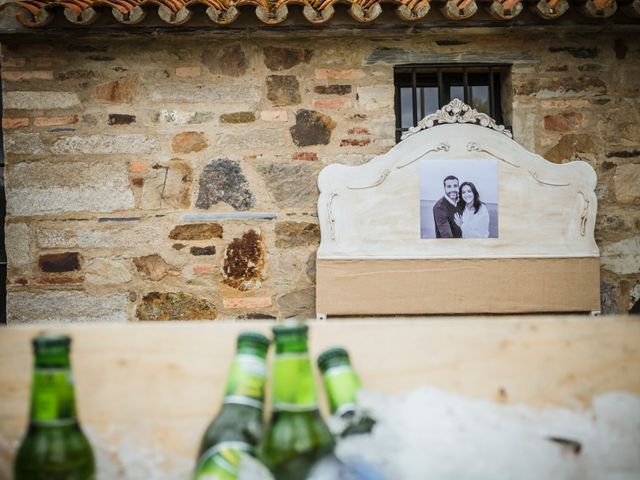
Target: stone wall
x=152, y=179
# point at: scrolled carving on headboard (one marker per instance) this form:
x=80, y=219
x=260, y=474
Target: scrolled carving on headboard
x=474, y=147
x=456, y=111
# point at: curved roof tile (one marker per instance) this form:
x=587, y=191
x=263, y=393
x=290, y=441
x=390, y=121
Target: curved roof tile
x=38, y=13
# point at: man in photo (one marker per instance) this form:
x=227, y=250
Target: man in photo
x=446, y=208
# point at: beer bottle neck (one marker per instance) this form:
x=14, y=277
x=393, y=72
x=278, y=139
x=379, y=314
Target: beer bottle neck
x=294, y=388
x=52, y=394
x=342, y=385
x=246, y=380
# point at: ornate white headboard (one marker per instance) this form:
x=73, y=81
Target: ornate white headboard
x=378, y=254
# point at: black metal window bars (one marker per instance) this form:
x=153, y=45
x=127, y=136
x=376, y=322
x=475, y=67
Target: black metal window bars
x=422, y=89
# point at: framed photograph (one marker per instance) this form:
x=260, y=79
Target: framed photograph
x=459, y=199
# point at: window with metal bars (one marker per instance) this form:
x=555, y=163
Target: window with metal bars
x=422, y=89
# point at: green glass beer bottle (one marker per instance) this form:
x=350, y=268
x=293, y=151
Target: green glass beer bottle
x=297, y=436
x=237, y=428
x=54, y=447
x=342, y=385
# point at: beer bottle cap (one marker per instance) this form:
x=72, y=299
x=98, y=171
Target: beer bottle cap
x=325, y=357
x=254, y=337
x=48, y=340
x=290, y=328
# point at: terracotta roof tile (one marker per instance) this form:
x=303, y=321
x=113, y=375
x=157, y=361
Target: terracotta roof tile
x=38, y=13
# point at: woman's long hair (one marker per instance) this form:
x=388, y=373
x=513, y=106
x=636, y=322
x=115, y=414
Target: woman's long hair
x=476, y=197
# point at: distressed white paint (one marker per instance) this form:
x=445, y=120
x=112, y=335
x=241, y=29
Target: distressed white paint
x=545, y=209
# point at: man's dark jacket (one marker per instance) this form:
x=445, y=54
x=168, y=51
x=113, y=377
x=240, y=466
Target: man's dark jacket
x=443, y=213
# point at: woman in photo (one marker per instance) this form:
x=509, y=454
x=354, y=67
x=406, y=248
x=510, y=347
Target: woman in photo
x=474, y=216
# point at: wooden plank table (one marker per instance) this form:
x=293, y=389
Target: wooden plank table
x=146, y=391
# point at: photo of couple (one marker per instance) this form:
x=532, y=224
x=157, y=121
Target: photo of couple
x=458, y=199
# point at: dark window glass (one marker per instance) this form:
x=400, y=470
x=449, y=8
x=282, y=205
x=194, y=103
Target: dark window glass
x=421, y=90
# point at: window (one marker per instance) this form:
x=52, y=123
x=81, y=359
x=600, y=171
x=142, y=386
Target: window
x=421, y=90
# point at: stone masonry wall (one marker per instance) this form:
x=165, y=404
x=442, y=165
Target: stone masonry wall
x=153, y=180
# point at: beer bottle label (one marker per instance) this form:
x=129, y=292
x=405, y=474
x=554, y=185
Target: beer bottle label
x=293, y=383
x=53, y=397
x=342, y=386
x=222, y=461
x=245, y=384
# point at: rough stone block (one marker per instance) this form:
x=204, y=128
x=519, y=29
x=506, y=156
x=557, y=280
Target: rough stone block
x=266, y=138
x=138, y=167
x=312, y=128
x=188, y=71
x=177, y=117
x=55, y=121
x=283, y=90
x=229, y=60
x=18, y=246
x=300, y=303
x=204, y=269
x=122, y=90
x=375, y=97
x=609, y=295
x=77, y=74
x=274, y=115
x=238, y=117
x=563, y=122
x=203, y=251
x=206, y=94
x=568, y=146
x=188, y=142
x=196, y=231
x=222, y=180
x=167, y=185
x=121, y=119
x=21, y=76
x=59, y=280
x=331, y=104
x=105, y=145
x=306, y=156
x=354, y=142
x=332, y=89
x=44, y=187
x=60, y=262
x=105, y=271
x=24, y=144
x=65, y=307
x=29, y=100
x=13, y=62
x=627, y=183
x=111, y=236
x=329, y=74
x=622, y=257
x=577, y=52
x=244, y=261
x=277, y=58
x=544, y=87
x=292, y=185
x=175, y=306
x=8, y=123
x=297, y=234
x=154, y=267
x=247, y=302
